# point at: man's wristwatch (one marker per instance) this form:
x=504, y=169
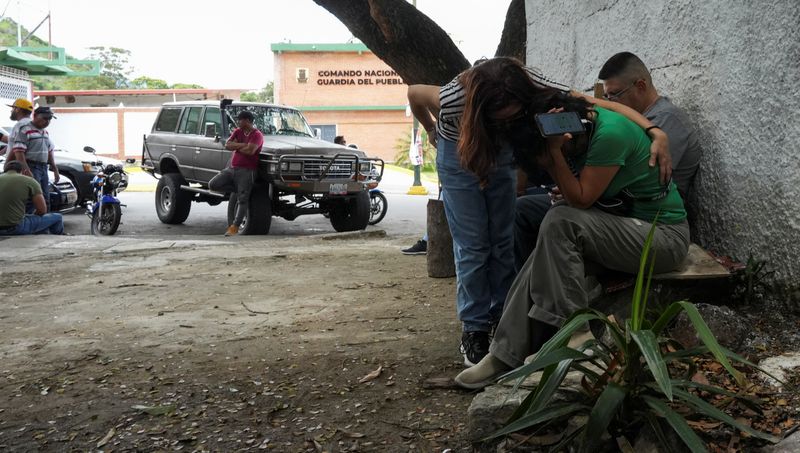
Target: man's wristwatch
x=647, y=131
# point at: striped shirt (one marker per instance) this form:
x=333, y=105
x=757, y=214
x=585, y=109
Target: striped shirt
x=34, y=142
x=452, y=99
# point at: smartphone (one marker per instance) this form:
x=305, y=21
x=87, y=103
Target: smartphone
x=551, y=124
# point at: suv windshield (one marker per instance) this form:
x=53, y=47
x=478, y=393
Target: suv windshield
x=273, y=120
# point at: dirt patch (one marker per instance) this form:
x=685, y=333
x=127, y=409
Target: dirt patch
x=273, y=345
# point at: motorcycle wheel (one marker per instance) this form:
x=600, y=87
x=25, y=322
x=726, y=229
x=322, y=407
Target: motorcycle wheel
x=109, y=223
x=377, y=207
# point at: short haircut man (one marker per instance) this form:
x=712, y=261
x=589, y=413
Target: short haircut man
x=339, y=140
x=627, y=80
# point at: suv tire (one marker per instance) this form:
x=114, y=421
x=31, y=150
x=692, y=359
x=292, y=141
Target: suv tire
x=172, y=203
x=259, y=216
x=350, y=214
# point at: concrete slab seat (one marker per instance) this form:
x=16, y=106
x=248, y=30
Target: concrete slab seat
x=703, y=276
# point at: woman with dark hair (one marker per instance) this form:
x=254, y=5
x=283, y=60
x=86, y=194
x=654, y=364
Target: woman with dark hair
x=581, y=233
x=478, y=123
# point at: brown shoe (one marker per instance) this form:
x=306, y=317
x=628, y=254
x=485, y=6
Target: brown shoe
x=232, y=230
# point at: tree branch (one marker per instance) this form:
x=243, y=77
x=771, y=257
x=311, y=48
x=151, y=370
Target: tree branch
x=513, y=42
x=404, y=38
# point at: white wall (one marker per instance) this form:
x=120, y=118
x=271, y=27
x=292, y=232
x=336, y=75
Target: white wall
x=734, y=66
x=136, y=125
x=73, y=131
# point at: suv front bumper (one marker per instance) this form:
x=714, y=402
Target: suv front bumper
x=341, y=174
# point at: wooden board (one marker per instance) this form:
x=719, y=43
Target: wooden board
x=698, y=265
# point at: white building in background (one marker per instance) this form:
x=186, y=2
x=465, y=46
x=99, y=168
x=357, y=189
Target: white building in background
x=14, y=84
x=113, y=121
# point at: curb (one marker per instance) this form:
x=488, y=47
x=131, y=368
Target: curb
x=424, y=177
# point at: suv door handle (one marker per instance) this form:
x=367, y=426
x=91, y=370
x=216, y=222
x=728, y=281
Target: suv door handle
x=172, y=147
x=197, y=150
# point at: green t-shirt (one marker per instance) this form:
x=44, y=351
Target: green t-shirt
x=15, y=191
x=619, y=141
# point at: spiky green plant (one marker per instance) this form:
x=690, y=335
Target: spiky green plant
x=630, y=384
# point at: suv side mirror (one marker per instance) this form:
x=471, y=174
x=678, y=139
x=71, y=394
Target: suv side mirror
x=317, y=132
x=211, y=130
x=89, y=149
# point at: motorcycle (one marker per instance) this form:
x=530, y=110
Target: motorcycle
x=377, y=206
x=105, y=211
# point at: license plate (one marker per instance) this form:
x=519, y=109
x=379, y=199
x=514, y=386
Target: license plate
x=338, y=189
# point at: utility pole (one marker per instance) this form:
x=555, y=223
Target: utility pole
x=416, y=188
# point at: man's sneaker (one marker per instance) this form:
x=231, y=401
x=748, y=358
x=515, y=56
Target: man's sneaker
x=474, y=346
x=420, y=248
x=232, y=230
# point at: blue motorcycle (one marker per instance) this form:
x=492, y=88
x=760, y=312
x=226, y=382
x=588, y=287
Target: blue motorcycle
x=105, y=211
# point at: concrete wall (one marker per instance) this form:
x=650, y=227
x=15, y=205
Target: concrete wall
x=111, y=131
x=735, y=67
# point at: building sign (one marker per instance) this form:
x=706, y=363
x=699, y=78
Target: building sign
x=358, y=77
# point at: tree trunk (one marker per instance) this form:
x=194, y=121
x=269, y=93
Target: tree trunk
x=404, y=38
x=441, y=263
x=514, y=39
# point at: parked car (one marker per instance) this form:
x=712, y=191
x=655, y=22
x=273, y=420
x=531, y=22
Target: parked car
x=63, y=194
x=80, y=167
x=298, y=173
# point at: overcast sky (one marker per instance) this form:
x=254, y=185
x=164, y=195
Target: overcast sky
x=225, y=44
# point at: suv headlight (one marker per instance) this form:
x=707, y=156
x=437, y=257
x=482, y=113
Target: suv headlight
x=284, y=166
x=273, y=168
x=365, y=167
x=296, y=166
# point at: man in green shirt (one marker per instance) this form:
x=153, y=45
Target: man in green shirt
x=15, y=191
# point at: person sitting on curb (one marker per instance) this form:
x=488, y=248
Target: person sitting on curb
x=238, y=178
x=626, y=80
x=16, y=190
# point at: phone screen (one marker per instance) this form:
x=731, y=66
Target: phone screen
x=559, y=123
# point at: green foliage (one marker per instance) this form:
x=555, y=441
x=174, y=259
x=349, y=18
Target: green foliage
x=629, y=383
x=265, y=94
x=148, y=83
x=428, y=152
x=753, y=280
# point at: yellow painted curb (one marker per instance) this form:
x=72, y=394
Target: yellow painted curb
x=140, y=188
x=417, y=190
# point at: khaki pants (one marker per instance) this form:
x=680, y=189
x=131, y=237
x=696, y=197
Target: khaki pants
x=551, y=284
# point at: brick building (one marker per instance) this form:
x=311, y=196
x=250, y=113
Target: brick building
x=344, y=89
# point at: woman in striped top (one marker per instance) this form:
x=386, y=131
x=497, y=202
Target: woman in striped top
x=479, y=121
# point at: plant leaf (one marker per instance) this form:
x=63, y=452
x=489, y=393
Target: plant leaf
x=666, y=316
x=648, y=344
x=655, y=425
x=686, y=433
x=543, y=361
x=544, y=415
x=703, y=407
x=601, y=415
x=710, y=341
x=639, y=297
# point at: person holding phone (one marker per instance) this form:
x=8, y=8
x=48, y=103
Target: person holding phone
x=480, y=123
x=626, y=81
x=576, y=234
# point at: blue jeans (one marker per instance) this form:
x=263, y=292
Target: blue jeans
x=482, y=225
x=39, y=172
x=51, y=223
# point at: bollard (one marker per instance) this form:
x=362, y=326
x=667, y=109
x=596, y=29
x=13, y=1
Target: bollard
x=441, y=263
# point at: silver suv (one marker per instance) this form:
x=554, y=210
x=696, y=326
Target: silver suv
x=299, y=174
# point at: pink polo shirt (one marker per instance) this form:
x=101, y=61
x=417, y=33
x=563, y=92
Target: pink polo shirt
x=241, y=160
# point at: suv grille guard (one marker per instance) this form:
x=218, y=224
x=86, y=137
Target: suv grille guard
x=330, y=163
